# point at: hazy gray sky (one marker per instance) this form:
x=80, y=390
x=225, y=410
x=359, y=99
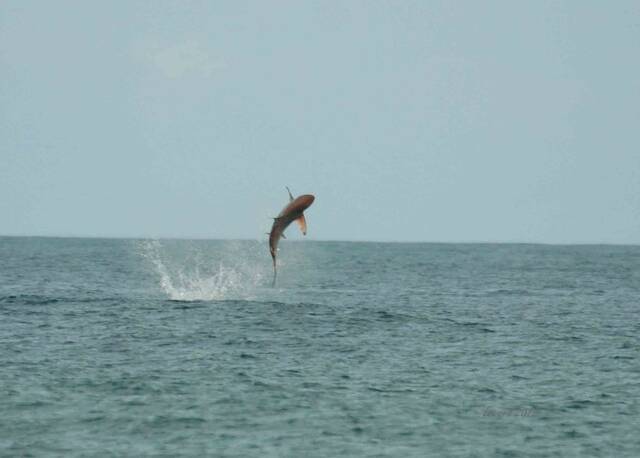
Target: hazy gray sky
x=425, y=120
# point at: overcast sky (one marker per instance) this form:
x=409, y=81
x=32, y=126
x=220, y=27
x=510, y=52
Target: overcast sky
x=409, y=121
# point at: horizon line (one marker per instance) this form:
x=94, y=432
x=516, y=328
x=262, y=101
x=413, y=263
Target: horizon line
x=432, y=242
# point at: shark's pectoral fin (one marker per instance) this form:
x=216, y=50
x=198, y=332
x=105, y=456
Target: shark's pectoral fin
x=282, y=235
x=302, y=223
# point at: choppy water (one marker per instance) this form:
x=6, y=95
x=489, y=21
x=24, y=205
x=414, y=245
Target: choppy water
x=134, y=348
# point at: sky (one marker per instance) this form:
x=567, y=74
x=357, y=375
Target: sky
x=435, y=121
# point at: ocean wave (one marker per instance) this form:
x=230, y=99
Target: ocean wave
x=28, y=299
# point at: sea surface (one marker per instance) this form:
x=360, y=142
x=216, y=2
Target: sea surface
x=183, y=348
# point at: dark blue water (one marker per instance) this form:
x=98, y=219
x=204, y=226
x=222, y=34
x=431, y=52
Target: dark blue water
x=137, y=348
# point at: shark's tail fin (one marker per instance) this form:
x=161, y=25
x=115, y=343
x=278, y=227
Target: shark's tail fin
x=275, y=272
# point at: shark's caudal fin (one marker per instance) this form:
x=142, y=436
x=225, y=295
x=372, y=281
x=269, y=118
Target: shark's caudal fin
x=290, y=196
x=302, y=223
x=275, y=272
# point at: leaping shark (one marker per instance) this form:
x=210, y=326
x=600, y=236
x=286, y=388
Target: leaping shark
x=292, y=212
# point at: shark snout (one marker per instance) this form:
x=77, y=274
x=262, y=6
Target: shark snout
x=306, y=200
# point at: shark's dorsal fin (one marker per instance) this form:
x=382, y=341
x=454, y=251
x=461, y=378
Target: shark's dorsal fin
x=302, y=223
x=290, y=196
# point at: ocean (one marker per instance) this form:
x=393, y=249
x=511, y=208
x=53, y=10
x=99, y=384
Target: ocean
x=115, y=347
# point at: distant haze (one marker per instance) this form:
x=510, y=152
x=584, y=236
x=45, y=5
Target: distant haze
x=409, y=121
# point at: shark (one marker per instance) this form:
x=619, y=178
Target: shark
x=294, y=211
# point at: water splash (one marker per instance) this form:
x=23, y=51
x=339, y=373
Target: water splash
x=210, y=271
